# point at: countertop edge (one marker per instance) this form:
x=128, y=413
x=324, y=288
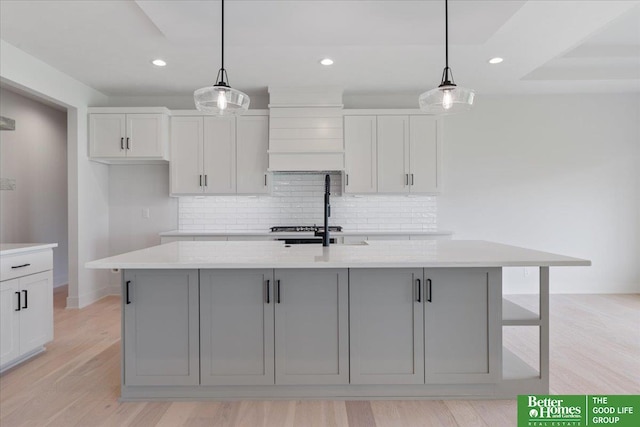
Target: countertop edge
x=31, y=248
x=178, y=233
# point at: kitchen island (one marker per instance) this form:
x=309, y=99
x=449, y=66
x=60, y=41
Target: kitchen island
x=409, y=319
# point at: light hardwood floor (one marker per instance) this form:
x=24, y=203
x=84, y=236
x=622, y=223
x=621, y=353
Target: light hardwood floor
x=595, y=348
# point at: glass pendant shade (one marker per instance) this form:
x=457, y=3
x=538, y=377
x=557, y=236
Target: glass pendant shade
x=221, y=100
x=446, y=99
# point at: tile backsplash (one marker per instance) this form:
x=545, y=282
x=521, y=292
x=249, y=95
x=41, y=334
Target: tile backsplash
x=297, y=199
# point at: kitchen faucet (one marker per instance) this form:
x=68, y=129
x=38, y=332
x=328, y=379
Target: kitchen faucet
x=327, y=211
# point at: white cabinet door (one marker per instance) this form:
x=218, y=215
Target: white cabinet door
x=107, y=133
x=461, y=318
x=393, y=154
x=219, y=155
x=252, y=158
x=360, y=144
x=423, y=154
x=311, y=326
x=36, y=313
x=161, y=334
x=386, y=326
x=146, y=135
x=187, y=138
x=236, y=327
x=9, y=321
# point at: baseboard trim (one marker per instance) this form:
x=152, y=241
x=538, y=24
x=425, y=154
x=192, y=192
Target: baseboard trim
x=87, y=299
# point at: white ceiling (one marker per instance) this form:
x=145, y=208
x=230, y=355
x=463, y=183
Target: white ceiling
x=388, y=46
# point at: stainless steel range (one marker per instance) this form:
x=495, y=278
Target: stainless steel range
x=304, y=240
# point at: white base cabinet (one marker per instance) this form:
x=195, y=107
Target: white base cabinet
x=26, y=307
x=265, y=333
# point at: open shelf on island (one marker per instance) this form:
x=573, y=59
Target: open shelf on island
x=514, y=368
x=514, y=314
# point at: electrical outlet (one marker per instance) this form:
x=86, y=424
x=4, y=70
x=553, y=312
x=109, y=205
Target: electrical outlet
x=7, y=184
x=145, y=213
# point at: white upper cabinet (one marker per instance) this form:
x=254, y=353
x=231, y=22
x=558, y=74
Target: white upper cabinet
x=187, y=139
x=122, y=135
x=360, y=140
x=219, y=155
x=252, y=143
x=424, y=167
x=393, y=154
x=408, y=154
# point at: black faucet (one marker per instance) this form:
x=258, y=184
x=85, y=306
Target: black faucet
x=327, y=211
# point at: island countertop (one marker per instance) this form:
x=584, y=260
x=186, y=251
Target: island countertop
x=384, y=254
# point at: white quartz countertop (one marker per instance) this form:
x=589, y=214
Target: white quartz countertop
x=16, y=248
x=185, y=233
x=274, y=254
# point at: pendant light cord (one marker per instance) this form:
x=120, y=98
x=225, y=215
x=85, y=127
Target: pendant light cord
x=222, y=1
x=446, y=33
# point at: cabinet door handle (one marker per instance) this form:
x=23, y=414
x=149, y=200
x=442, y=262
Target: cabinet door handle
x=200, y=180
x=347, y=179
x=429, y=290
x=419, y=292
x=127, y=291
x=278, y=289
x=406, y=179
x=128, y=146
x=26, y=302
x=411, y=179
x=265, y=179
x=205, y=180
x=268, y=296
x=122, y=143
x=19, y=303
x=21, y=266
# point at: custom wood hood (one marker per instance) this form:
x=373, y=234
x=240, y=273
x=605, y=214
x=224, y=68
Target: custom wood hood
x=305, y=129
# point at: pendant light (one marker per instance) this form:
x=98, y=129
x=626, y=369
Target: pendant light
x=221, y=98
x=447, y=98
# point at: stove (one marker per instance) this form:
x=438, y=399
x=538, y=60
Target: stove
x=302, y=228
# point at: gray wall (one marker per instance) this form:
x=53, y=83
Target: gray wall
x=35, y=155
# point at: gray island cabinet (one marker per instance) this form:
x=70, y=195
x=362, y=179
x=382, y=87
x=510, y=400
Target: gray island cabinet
x=231, y=320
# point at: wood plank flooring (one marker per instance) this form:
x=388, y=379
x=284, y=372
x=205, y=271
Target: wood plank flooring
x=595, y=348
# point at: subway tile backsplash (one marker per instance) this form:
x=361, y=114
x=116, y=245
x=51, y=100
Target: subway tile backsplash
x=297, y=199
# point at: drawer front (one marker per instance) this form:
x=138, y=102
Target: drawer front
x=18, y=265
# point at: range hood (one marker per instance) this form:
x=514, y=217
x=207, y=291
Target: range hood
x=7, y=123
x=305, y=129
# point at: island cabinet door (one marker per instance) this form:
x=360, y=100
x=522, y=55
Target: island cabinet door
x=312, y=331
x=386, y=326
x=462, y=325
x=161, y=327
x=236, y=327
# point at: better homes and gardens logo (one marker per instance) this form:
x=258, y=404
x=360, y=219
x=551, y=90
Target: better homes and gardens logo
x=578, y=411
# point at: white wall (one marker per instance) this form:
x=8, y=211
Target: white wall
x=554, y=173
x=87, y=181
x=132, y=189
x=35, y=155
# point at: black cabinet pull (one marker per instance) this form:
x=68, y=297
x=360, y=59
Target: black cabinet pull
x=429, y=290
x=419, y=285
x=122, y=143
x=205, y=180
x=265, y=179
x=21, y=266
x=19, y=303
x=128, y=147
x=278, y=286
x=268, y=296
x=26, y=302
x=411, y=179
x=200, y=180
x=347, y=179
x=127, y=289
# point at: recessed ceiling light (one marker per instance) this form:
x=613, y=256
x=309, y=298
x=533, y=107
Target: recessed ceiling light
x=327, y=61
x=495, y=60
x=159, y=63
